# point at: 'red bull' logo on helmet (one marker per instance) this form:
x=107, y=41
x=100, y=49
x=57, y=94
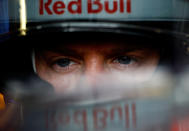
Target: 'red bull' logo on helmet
x=59, y=7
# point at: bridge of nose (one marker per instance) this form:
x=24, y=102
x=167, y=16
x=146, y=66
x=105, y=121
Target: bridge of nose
x=94, y=65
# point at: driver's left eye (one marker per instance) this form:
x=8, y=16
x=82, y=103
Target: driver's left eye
x=124, y=60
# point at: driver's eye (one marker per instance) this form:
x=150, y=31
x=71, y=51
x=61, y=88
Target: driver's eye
x=64, y=65
x=64, y=62
x=124, y=60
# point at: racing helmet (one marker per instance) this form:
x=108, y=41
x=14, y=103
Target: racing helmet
x=28, y=26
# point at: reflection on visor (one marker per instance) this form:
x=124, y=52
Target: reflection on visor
x=145, y=111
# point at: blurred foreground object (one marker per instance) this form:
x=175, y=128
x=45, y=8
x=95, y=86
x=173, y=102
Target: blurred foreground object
x=2, y=102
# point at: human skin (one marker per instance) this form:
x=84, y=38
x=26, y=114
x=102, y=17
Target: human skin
x=64, y=66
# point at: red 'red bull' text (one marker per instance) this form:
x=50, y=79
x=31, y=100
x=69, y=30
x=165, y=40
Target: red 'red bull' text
x=97, y=118
x=59, y=7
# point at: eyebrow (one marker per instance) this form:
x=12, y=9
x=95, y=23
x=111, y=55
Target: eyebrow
x=121, y=51
x=65, y=51
x=110, y=53
x=130, y=49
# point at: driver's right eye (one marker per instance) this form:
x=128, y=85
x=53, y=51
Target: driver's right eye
x=64, y=62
